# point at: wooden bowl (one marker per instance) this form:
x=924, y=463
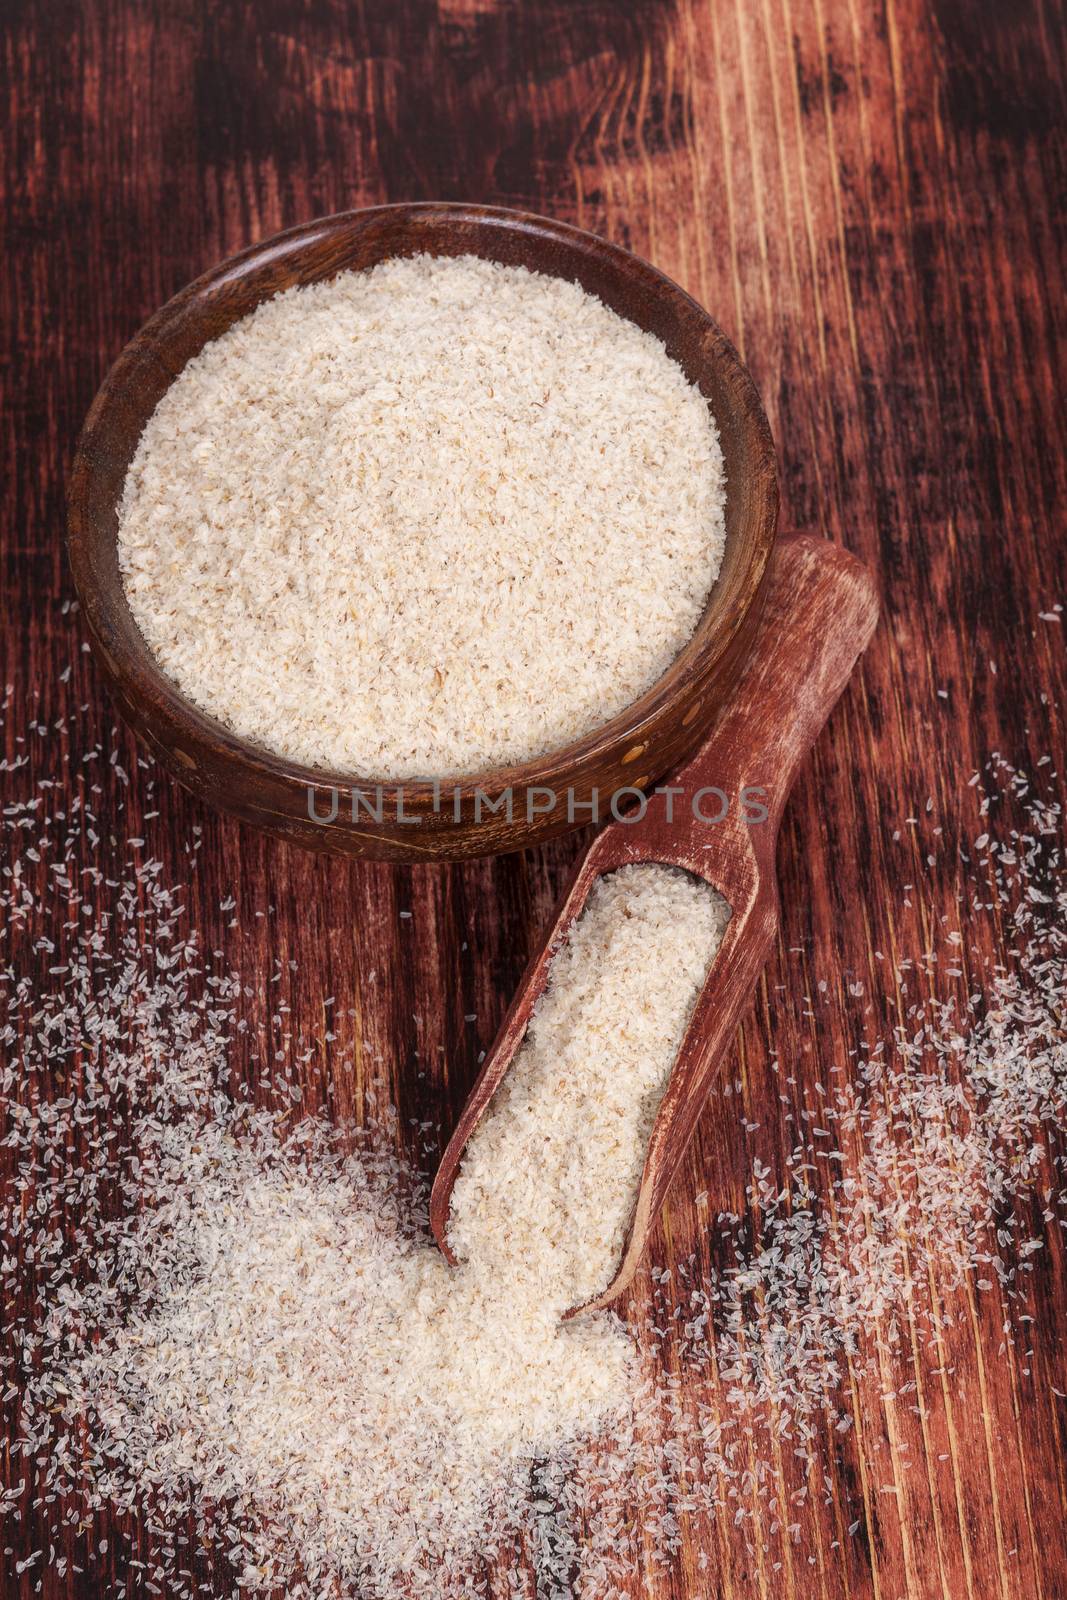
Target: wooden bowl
x=418, y=820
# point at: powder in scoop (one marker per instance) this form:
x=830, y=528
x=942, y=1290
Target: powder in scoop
x=549, y=1179
x=424, y=520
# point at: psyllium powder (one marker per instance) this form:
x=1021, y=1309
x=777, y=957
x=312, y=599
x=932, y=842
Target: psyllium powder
x=424, y=520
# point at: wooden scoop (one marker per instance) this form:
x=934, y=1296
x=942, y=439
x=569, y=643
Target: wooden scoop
x=820, y=611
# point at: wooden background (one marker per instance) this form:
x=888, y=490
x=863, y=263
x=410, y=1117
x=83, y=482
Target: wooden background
x=869, y=195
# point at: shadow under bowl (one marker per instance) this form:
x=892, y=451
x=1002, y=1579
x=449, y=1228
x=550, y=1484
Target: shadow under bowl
x=417, y=821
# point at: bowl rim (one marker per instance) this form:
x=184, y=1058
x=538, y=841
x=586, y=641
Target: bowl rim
x=130, y=661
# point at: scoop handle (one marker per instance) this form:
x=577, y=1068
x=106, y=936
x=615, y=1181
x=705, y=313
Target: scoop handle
x=820, y=610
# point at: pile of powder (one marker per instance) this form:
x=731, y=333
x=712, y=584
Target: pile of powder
x=382, y=1438
x=424, y=520
x=272, y=1333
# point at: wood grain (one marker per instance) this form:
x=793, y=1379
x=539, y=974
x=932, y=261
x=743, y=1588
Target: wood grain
x=868, y=196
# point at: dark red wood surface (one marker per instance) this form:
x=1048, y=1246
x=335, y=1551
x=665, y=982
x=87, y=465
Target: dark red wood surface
x=869, y=197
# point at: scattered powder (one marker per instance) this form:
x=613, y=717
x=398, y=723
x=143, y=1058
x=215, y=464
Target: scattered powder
x=271, y=1328
x=302, y=1355
x=229, y=1321
x=429, y=519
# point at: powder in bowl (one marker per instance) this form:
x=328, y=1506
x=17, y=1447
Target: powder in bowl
x=424, y=520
